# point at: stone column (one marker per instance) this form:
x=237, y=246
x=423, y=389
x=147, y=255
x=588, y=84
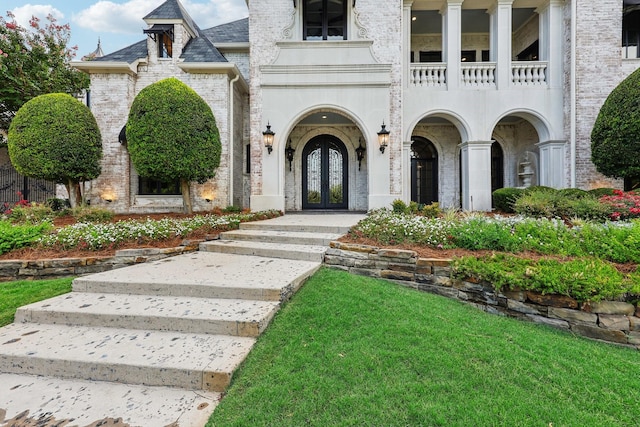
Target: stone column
x=550, y=32
x=406, y=41
x=476, y=175
x=500, y=46
x=552, y=167
x=452, y=41
x=406, y=171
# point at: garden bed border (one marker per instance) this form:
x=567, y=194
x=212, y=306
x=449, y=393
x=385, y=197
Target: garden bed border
x=57, y=268
x=611, y=321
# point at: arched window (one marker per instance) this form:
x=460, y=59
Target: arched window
x=325, y=20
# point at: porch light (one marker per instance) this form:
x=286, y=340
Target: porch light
x=268, y=138
x=288, y=152
x=360, y=152
x=383, y=137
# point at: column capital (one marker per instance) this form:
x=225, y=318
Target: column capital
x=552, y=143
x=476, y=144
x=407, y=3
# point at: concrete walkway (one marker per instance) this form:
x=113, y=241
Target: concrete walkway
x=156, y=344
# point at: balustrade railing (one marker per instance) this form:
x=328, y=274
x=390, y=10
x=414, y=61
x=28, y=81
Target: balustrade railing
x=479, y=74
x=429, y=74
x=529, y=73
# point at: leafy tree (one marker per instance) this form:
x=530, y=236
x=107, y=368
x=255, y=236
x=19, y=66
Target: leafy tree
x=55, y=137
x=34, y=61
x=615, y=138
x=172, y=134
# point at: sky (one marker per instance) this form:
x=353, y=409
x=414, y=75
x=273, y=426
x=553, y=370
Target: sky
x=117, y=23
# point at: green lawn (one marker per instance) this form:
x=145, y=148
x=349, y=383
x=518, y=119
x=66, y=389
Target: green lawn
x=17, y=294
x=355, y=351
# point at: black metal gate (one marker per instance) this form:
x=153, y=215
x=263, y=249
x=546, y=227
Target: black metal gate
x=14, y=186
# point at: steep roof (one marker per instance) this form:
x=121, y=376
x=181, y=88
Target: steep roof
x=232, y=32
x=201, y=50
x=172, y=9
x=129, y=54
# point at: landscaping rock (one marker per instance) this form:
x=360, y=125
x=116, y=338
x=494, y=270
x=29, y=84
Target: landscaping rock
x=613, y=322
x=396, y=253
x=613, y=307
x=521, y=307
x=634, y=338
x=600, y=333
x=396, y=275
x=555, y=323
x=634, y=323
x=516, y=295
x=552, y=300
x=573, y=315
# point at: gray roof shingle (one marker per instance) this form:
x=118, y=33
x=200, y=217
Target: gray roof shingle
x=232, y=32
x=201, y=50
x=129, y=54
x=172, y=9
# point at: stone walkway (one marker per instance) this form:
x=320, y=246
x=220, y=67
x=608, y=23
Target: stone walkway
x=156, y=344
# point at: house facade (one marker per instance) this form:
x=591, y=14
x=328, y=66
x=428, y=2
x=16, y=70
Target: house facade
x=362, y=102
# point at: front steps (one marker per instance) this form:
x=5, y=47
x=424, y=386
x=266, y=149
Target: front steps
x=177, y=328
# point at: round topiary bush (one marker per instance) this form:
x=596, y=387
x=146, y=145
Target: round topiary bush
x=55, y=137
x=172, y=134
x=504, y=198
x=615, y=137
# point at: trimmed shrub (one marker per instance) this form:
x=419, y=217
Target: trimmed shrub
x=55, y=137
x=91, y=214
x=574, y=193
x=398, y=206
x=504, y=198
x=537, y=204
x=615, y=137
x=32, y=213
x=172, y=134
x=599, y=192
x=539, y=189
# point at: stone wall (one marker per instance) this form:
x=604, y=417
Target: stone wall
x=66, y=267
x=615, y=322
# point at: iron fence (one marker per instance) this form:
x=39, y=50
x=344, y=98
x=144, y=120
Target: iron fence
x=13, y=185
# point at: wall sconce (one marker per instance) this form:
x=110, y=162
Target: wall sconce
x=108, y=197
x=268, y=138
x=383, y=137
x=288, y=152
x=208, y=196
x=360, y=152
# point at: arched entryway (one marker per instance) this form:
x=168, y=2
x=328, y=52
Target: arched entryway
x=424, y=171
x=325, y=174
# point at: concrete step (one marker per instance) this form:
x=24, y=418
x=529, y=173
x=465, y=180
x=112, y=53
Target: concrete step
x=205, y=275
x=30, y=400
x=276, y=236
x=234, y=317
x=338, y=223
x=312, y=253
x=153, y=358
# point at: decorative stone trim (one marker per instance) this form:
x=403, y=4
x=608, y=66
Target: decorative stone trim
x=610, y=321
x=66, y=267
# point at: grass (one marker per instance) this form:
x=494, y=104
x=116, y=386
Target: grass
x=17, y=294
x=355, y=351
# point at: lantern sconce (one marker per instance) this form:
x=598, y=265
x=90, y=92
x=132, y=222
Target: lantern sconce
x=288, y=152
x=360, y=152
x=383, y=137
x=268, y=138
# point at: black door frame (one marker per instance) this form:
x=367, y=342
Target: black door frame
x=415, y=162
x=324, y=142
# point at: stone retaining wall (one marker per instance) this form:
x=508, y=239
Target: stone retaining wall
x=67, y=267
x=616, y=322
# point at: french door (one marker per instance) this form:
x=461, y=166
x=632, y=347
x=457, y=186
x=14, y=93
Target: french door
x=324, y=174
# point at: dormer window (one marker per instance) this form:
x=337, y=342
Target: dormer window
x=325, y=19
x=162, y=34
